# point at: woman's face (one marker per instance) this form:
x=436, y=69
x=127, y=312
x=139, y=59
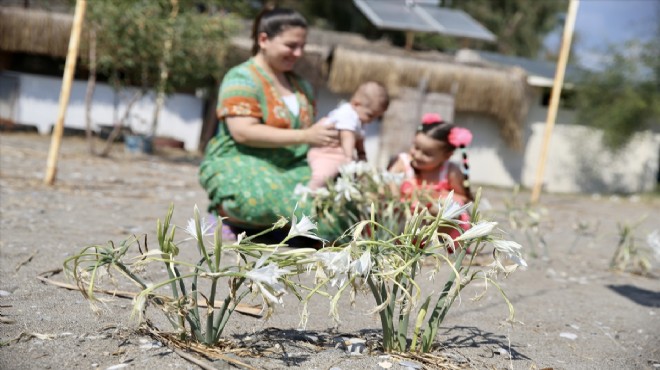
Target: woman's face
x=281, y=52
x=428, y=153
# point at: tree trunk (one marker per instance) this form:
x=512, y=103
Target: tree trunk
x=116, y=130
x=210, y=125
x=91, y=85
x=164, y=66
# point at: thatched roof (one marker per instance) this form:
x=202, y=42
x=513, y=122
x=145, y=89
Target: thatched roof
x=344, y=60
x=341, y=60
x=501, y=92
x=320, y=44
x=34, y=31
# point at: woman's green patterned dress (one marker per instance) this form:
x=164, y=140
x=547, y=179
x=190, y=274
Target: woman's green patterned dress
x=255, y=185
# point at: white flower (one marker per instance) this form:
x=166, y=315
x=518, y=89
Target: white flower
x=452, y=209
x=336, y=263
x=268, y=274
x=511, y=249
x=362, y=266
x=240, y=237
x=301, y=191
x=322, y=193
x=355, y=168
x=348, y=169
x=345, y=188
x=303, y=227
x=653, y=240
x=205, y=226
x=392, y=178
x=477, y=230
x=266, y=278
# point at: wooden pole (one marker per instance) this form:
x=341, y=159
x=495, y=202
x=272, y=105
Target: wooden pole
x=65, y=92
x=410, y=40
x=554, y=96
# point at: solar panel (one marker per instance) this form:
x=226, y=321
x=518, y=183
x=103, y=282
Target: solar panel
x=422, y=16
x=393, y=15
x=458, y=23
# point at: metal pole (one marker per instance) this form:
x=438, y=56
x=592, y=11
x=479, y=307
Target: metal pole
x=65, y=92
x=554, y=97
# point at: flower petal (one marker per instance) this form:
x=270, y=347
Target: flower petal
x=477, y=230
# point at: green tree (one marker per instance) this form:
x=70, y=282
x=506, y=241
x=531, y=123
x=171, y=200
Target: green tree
x=520, y=25
x=624, y=97
x=168, y=45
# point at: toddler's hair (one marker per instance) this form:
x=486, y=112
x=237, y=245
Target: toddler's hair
x=273, y=21
x=453, y=137
x=373, y=92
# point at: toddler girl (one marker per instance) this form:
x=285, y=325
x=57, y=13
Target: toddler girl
x=428, y=173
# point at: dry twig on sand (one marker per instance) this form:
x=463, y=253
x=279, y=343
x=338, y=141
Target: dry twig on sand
x=25, y=261
x=180, y=348
x=249, y=310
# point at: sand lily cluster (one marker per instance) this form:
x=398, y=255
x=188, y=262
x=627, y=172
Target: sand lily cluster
x=383, y=253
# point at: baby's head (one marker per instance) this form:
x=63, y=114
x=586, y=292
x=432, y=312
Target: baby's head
x=370, y=101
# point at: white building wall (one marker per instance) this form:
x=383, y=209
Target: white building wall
x=576, y=161
x=37, y=104
x=491, y=161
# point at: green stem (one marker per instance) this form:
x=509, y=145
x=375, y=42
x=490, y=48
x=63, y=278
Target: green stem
x=439, y=312
x=404, y=318
x=131, y=275
x=221, y=327
x=169, y=266
x=216, y=325
x=217, y=250
x=170, y=273
x=385, y=323
x=190, y=317
x=418, y=323
x=402, y=332
x=211, y=312
x=194, y=292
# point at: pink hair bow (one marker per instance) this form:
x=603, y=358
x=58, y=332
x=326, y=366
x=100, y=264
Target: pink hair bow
x=430, y=118
x=460, y=136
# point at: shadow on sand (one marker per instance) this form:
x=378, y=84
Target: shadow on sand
x=640, y=296
x=459, y=337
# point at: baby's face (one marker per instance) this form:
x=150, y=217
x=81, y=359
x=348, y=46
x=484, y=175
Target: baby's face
x=368, y=113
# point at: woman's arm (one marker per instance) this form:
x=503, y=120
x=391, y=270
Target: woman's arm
x=251, y=132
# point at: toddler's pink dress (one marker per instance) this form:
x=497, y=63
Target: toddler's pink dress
x=438, y=189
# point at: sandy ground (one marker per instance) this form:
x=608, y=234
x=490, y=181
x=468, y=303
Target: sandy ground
x=574, y=313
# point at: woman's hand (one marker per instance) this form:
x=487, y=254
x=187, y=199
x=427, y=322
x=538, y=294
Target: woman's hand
x=323, y=133
x=251, y=132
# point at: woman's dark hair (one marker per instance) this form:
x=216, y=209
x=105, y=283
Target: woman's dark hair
x=273, y=21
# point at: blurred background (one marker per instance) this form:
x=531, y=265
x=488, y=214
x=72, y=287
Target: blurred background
x=151, y=68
